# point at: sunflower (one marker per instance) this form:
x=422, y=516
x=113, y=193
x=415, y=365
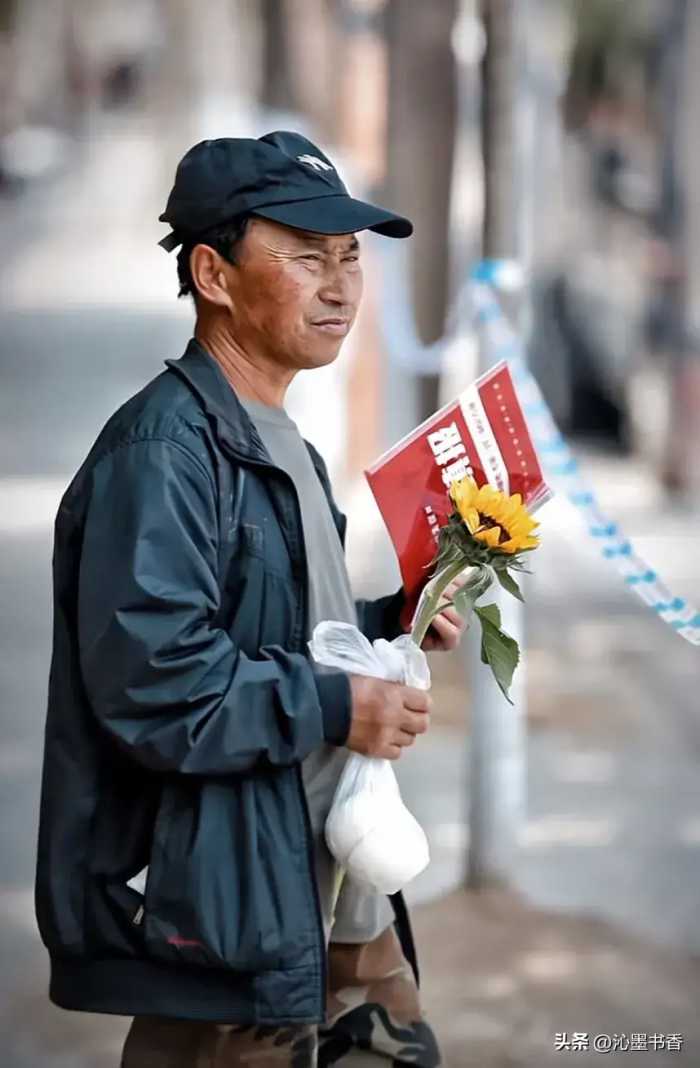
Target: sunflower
x=494, y=518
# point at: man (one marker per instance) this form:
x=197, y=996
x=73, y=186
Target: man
x=192, y=747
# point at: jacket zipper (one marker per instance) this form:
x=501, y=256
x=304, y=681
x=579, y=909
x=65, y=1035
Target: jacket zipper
x=311, y=864
x=303, y=585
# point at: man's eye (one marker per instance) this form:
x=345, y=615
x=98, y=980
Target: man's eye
x=315, y=256
x=352, y=258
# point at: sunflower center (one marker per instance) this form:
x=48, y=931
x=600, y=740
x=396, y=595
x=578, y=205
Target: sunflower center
x=486, y=522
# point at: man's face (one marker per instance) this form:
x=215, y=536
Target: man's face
x=294, y=294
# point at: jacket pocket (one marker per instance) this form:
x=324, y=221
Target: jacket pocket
x=243, y=591
x=259, y=597
x=119, y=847
x=216, y=895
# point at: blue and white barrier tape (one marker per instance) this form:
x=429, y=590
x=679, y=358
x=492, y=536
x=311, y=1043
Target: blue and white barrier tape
x=477, y=305
x=563, y=467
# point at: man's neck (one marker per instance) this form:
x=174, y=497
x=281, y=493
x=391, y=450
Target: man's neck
x=251, y=377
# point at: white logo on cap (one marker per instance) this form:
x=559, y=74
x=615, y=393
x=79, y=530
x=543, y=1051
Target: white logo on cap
x=315, y=162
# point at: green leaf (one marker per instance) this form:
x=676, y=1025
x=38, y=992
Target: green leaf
x=498, y=649
x=518, y=565
x=491, y=613
x=509, y=584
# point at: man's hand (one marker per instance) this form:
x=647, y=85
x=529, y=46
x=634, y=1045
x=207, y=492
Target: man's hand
x=386, y=716
x=446, y=630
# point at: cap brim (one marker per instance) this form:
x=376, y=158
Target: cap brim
x=336, y=215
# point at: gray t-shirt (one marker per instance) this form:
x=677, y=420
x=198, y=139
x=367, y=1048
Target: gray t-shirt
x=360, y=915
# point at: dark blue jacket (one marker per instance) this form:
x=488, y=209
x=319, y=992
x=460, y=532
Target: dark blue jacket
x=181, y=704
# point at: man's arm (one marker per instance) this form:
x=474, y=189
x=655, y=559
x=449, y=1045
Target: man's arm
x=172, y=689
x=380, y=618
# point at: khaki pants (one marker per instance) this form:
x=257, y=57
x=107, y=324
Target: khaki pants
x=374, y=1018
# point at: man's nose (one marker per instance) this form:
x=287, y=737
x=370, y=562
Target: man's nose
x=335, y=286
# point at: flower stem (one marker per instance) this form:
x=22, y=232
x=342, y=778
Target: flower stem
x=430, y=598
x=338, y=879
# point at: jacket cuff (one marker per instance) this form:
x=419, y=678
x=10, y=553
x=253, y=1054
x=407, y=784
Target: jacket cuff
x=336, y=704
x=394, y=621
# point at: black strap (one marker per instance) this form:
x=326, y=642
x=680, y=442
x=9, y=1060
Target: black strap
x=170, y=241
x=403, y=929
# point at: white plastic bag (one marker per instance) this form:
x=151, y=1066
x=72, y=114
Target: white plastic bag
x=369, y=830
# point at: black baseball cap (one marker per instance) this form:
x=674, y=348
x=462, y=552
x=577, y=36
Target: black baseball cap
x=281, y=176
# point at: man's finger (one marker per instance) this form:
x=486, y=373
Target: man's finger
x=415, y=722
x=416, y=700
x=446, y=628
x=453, y=616
x=405, y=738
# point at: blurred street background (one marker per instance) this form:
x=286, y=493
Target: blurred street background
x=592, y=924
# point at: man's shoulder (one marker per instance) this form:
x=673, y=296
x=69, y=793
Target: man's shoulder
x=164, y=410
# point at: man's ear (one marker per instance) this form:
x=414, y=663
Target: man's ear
x=208, y=272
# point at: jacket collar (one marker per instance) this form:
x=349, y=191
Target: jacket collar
x=218, y=398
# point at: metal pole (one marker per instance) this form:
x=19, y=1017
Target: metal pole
x=497, y=742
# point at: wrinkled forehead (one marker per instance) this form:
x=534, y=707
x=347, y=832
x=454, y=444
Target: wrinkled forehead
x=281, y=235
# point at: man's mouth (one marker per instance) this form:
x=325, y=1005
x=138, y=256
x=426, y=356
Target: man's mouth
x=332, y=324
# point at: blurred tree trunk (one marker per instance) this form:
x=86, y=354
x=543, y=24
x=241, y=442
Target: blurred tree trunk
x=39, y=78
x=498, y=132
x=420, y=148
x=7, y=63
x=7, y=11
x=278, y=86
x=681, y=469
x=316, y=61
x=210, y=63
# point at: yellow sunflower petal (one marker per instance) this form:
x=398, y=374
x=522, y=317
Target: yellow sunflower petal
x=489, y=537
x=508, y=516
x=463, y=492
x=484, y=496
x=491, y=504
x=517, y=544
x=520, y=526
x=471, y=518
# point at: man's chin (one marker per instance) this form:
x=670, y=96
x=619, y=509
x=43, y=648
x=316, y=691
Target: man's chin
x=322, y=355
